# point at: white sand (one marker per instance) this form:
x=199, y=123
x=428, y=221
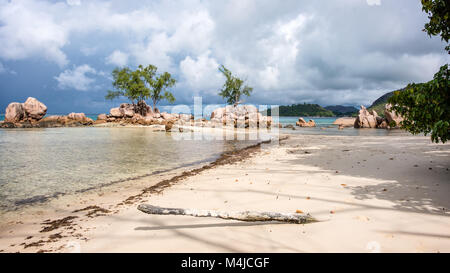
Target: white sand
x=368, y=193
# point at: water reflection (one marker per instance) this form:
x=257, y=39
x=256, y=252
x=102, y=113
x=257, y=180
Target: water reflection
x=38, y=163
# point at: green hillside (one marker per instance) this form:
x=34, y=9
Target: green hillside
x=379, y=104
x=340, y=110
x=315, y=110
x=303, y=110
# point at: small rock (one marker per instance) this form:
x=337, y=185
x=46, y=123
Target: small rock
x=102, y=117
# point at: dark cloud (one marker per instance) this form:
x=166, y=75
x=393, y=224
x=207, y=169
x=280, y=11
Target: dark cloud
x=333, y=52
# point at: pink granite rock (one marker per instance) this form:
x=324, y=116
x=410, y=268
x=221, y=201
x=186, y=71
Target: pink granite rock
x=15, y=112
x=391, y=116
x=34, y=109
x=302, y=123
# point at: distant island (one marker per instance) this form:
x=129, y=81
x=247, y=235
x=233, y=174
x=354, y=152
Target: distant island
x=313, y=110
x=342, y=111
x=307, y=110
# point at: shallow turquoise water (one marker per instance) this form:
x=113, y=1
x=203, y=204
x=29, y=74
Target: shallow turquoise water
x=319, y=121
x=93, y=117
x=37, y=164
x=325, y=126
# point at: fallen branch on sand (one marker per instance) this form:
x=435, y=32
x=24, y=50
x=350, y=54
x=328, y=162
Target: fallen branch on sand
x=248, y=216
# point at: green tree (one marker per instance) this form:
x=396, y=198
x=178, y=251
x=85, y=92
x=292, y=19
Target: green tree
x=426, y=107
x=140, y=85
x=128, y=84
x=159, y=88
x=233, y=88
x=439, y=14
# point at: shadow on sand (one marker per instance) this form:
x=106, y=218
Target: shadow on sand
x=424, y=190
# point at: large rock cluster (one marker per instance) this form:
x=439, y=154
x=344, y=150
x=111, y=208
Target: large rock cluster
x=127, y=110
x=71, y=120
x=31, y=111
x=370, y=119
x=345, y=122
x=30, y=114
x=132, y=114
x=367, y=119
x=241, y=116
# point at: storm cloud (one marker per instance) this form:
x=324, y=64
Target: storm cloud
x=328, y=52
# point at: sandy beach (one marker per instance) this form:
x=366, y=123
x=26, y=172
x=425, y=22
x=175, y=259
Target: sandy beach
x=369, y=194
x=238, y=127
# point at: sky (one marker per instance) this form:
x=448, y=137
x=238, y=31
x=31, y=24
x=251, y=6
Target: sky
x=347, y=52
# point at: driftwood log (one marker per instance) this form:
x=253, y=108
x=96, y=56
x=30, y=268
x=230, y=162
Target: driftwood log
x=248, y=216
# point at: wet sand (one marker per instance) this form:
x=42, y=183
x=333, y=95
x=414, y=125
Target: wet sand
x=386, y=194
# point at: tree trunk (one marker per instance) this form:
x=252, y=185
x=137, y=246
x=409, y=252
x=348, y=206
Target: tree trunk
x=248, y=216
x=237, y=103
x=141, y=108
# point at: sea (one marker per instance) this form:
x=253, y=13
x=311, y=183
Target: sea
x=325, y=126
x=39, y=164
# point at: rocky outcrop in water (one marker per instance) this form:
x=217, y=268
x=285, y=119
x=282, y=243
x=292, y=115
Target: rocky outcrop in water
x=24, y=115
x=370, y=119
x=302, y=123
x=30, y=111
x=71, y=120
x=392, y=118
x=366, y=118
x=241, y=116
x=345, y=122
x=30, y=114
x=141, y=114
